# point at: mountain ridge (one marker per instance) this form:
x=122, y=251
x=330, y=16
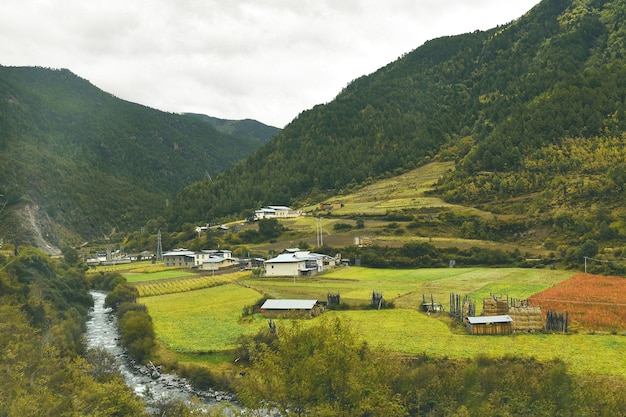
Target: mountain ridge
x=91, y=163
x=247, y=128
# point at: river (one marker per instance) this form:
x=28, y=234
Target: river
x=102, y=332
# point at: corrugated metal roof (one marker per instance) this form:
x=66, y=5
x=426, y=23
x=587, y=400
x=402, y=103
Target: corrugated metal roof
x=292, y=257
x=180, y=253
x=288, y=304
x=490, y=319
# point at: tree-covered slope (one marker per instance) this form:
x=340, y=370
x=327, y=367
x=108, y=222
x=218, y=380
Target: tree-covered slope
x=485, y=99
x=246, y=128
x=91, y=162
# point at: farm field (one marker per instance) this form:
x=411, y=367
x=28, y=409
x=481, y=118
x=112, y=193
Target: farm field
x=136, y=277
x=413, y=333
x=169, y=282
x=142, y=267
x=593, y=302
x=207, y=320
x=406, y=287
x=210, y=320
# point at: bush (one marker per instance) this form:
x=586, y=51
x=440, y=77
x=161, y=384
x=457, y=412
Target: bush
x=138, y=334
x=202, y=378
x=123, y=293
x=338, y=227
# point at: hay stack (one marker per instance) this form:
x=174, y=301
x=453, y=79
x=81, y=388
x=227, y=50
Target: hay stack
x=495, y=306
x=526, y=319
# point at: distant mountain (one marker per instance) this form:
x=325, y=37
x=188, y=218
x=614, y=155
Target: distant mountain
x=246, y=128
x=517, y=107
x=79, y=163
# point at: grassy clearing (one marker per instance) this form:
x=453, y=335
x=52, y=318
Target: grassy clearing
x=406, y=191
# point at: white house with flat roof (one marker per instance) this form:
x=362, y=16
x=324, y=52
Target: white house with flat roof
x=294, y=262
x=214, y=259
x=180, y=257
x=276, y=212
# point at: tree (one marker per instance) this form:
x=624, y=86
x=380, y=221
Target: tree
x=270, y=228
x=321, y=370
x=617, y=175
x=70, y=255
x=588, y=249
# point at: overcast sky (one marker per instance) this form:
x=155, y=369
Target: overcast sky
x=261, y=59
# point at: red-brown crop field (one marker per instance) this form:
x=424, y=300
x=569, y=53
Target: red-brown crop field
x=594, y=302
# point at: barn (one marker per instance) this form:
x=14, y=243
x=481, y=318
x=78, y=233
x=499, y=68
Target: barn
x=490, y=324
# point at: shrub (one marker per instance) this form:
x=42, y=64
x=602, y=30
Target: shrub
x=138, y=334
x=338, y=227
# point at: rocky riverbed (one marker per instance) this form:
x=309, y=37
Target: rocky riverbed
x=148, y=381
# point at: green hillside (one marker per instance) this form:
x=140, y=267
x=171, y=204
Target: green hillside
x=246, y=128
x=531, y=113
x=77, y=161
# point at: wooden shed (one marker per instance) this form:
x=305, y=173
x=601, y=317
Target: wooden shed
x=490, y=324
x=297, y=308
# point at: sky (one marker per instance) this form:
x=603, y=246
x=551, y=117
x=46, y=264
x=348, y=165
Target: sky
x=267, y=60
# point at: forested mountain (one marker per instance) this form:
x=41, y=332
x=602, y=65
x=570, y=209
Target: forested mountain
x=76, y=160
x=531, y=108
x=247, y=128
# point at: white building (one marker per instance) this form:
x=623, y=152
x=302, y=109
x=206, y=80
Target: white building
x=294, y=262
x=180, y=257
x=216, y=263
x=205, y=260
x=276, y=212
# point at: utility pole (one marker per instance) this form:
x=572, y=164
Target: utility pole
x=159, y=254
x=319, y=232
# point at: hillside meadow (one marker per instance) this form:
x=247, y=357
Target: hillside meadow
x=210, y=320
x=409, y=202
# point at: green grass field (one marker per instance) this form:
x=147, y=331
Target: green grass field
x=207, y=320
x=210, y=320
x=406, y=287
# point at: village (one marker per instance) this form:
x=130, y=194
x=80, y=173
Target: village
x=499, y=316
